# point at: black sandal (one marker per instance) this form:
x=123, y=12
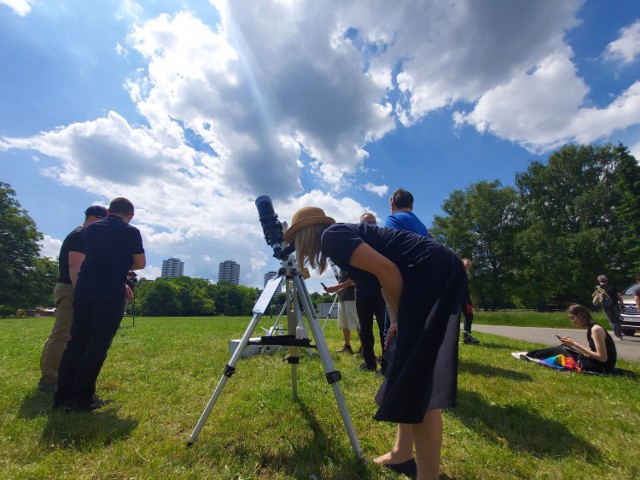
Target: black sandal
x=408, y=468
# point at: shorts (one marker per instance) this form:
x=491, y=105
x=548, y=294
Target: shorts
x=348, y=315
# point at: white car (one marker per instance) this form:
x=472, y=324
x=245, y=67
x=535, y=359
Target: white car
x=630, y=315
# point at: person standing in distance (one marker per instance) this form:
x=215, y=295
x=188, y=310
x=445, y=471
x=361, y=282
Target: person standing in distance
x=612, y=312
x=347, y=312
x=467, y=310
x=112, y=248
x=369, y=302
x=69, y=261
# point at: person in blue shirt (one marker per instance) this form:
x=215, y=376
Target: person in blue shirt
x=424, y=283
x=402, y=216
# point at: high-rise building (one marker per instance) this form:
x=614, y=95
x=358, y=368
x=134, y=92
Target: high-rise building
x=229, y=271
x=268, y=276
x=172, y=267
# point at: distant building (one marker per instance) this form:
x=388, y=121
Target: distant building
x=172, y=267
x=229, y=271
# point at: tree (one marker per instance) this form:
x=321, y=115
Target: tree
x=480, y=224
x=19, y=249
x=580, y=219
x=158, y=298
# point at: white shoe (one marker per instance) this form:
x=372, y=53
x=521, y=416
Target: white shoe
x=520, y=355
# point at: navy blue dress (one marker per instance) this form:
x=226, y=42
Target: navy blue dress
x=423, y=375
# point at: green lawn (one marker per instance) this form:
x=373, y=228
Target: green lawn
x=514, y=419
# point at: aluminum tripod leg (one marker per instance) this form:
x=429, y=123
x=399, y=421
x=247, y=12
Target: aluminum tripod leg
x=333, y=377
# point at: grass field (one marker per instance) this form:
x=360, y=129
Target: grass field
x=514, y=419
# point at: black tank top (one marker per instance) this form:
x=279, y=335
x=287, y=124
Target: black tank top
x=612, y=354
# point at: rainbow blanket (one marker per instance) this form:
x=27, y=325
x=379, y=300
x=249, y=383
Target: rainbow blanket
x=561, y=362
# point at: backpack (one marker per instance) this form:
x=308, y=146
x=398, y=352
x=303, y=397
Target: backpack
x=601, y=298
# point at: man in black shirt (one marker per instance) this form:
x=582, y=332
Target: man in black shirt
x=69, y=261
x=112, y=248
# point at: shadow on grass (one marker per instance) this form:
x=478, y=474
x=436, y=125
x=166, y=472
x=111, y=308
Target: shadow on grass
x=521, y=429
x=85, y=431
x=481, y=369
x=35, y=404
x=313, y=458
x=82, y=431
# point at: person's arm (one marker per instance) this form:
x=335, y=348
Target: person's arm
x=139, y=261
x=339, y=286
x=636, y=298
x=621, y=302
x=598, y=336
x=75, y=261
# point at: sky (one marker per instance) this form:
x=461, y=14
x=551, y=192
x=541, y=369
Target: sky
x=193, y=109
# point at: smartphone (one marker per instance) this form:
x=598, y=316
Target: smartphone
x=559, y=337
x=323, y=285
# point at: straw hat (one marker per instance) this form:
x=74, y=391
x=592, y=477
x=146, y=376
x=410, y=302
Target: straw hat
x=304, y=217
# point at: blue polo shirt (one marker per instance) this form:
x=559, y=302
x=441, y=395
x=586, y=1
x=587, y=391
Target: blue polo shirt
x=406, y=221
x=109, y=246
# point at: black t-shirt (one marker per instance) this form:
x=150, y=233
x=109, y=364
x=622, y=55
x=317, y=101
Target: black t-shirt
x=613, y=294
x=346, y=294
x=109, y=245
x=72, y=243
x=403, y=248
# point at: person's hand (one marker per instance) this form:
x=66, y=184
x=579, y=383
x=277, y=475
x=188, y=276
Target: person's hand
x=566, y=341
x=332, y=289
x=391, y=333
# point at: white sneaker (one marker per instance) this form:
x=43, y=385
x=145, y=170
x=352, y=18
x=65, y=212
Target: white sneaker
x=520, y=355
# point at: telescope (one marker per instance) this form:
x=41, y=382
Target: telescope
x=272, y=228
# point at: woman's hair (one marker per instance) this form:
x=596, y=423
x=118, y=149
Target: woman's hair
x=309, y=248
x=580, y=311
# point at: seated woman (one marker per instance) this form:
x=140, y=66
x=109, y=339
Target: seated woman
x=600, y=356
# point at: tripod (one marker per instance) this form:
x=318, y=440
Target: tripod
x=297, y=296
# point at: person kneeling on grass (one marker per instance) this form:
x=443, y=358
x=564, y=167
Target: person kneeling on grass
x=599, y=357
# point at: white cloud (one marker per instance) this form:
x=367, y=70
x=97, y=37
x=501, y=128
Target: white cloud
x=50, y=247
x=627, y=47
x=21, y=7
x=233, y=110
x=379, y=190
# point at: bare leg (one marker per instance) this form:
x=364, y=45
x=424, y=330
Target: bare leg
x=428, y=440
x=403, y=448
x=346, y=333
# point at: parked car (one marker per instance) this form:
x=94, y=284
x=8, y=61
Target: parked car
x=630, y=315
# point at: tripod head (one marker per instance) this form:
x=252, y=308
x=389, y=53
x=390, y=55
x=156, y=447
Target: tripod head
x=272, y=228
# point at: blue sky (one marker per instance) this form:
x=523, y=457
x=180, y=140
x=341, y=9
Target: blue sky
x=192, y=109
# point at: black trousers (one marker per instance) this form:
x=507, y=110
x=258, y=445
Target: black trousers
x=369, y=302
x=96, y=320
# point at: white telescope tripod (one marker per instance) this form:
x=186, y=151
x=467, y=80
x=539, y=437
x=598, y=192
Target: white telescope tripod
x=297, y=298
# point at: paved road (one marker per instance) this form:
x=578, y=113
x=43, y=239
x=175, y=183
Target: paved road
x=629, y=348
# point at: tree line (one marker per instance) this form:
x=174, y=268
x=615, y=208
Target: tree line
x=540, y=244
x=186, y=296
